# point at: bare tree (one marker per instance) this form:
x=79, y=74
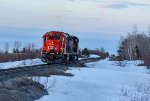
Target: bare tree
x=135, y=29
x=6, y=47
x=148, y=29
x=17, y=46
x=32, y=47
x=102, y=50
x=136, y=46
x=28, y=47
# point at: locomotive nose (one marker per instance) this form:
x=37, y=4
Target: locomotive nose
x=52, y=43
x=53, y=47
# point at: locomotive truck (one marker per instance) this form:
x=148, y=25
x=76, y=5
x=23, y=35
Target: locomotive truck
x=59, y=47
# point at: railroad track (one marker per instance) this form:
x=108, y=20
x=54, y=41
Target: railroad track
x=36, y=70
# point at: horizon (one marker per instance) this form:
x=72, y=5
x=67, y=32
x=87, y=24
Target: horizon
x=103, y=40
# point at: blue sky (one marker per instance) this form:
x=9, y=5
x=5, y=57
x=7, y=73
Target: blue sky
x=88, y=19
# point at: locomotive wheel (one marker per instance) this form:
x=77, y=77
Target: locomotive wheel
x=65, y=57
x=70, y=57
x=73, y=57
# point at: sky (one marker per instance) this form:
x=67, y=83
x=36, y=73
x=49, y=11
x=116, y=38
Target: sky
x=93, y=21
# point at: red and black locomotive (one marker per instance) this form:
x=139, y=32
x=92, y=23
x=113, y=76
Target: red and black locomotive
x=59, y=47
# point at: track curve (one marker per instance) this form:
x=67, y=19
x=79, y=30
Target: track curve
x=42, y=69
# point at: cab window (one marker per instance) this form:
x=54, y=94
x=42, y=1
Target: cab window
x=51, y=37
x=57, y=36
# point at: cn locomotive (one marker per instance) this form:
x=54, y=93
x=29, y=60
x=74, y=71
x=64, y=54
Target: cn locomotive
x=59, y=47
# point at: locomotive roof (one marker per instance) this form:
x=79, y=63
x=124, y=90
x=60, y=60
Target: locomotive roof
x=66, y=34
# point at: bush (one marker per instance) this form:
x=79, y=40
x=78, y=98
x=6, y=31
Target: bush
x=85, y=53
x=99, y=53
x=140, y=92
x=9, y=57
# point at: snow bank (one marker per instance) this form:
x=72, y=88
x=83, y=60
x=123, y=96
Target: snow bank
x=22, y=63
x=94, y=56
x=100, y=81
x=28, y=62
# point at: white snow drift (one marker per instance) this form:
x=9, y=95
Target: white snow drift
x=99, y=81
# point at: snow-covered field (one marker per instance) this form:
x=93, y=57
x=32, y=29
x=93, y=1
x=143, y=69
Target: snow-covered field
x=99, y=81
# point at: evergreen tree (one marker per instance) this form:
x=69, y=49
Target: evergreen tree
x=85, y=52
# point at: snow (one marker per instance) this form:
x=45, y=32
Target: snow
x=28, y=62
x=99, y=81
x=22, y=63
x=94, y=56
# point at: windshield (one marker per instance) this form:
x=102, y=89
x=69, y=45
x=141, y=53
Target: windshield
x=51, y=37
x=54, y=37
x=57, y=36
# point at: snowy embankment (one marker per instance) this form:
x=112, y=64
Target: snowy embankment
x=28, y=62
x=99, y=81
x=94, y=56
x=22, y=63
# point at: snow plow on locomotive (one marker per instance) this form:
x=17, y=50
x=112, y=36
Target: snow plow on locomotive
x=59, y=47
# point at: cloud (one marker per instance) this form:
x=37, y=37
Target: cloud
x=88, y=0
x=71, y=0
x=136, y=4
x=116, y=4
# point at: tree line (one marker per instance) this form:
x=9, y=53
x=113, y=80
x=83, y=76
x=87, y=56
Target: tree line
x=15, y=52
x=135, y=46
x=98, y=51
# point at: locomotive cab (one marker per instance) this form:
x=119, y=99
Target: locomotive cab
x=59, y=46
x=51, y=43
